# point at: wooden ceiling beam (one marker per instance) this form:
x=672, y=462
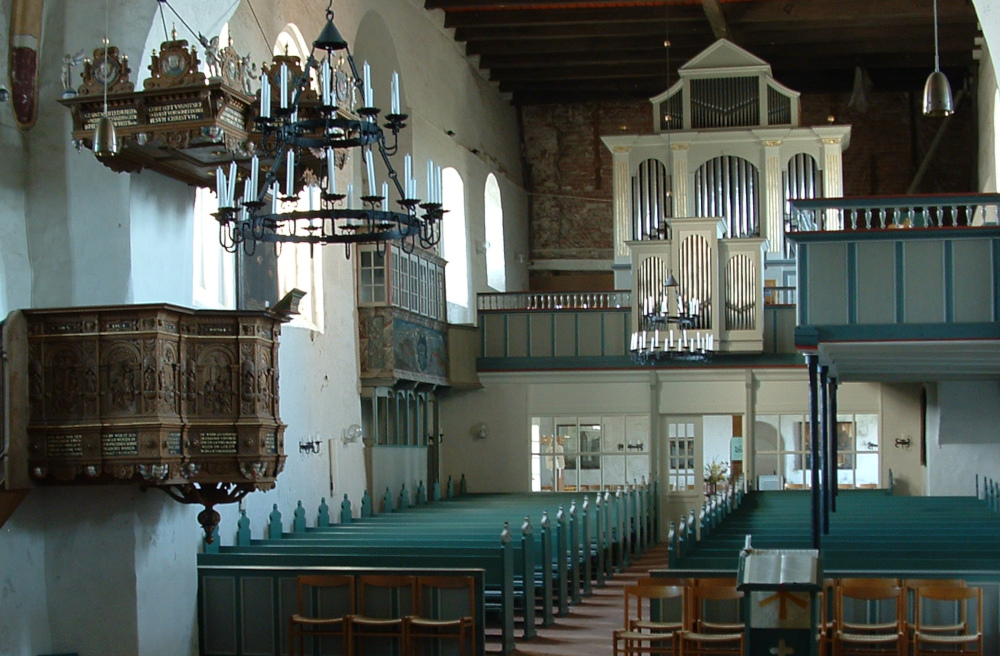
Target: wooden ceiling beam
x=567, y=59
x=515, y=17
x=622, y=30
x=584, y=46
x=848, y=11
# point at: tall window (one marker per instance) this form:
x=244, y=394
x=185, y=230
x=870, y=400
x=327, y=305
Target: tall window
x=455, y=246
x=300, y=266
x=496, y=266
x=214, y=268
x=588, y=453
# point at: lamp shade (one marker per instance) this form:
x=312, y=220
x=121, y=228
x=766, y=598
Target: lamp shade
x=937, y=96
x=105, y=139
x=330, y=39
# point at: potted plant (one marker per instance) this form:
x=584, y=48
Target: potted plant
x=716, y=472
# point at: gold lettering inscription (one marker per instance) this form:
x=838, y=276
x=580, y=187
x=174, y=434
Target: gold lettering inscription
x=174, y=443
x=233, y=117
x=122, y=118
x=271, y=443
x=190, y=111
x=64, y=446
x=119, y=444
x=218, y=443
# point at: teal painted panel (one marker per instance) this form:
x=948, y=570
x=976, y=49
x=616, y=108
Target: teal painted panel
x=494, y=343
x=923, y=282
x=876, y=282
x=219, y=614
x=590, y=333
x=615, y=333
x=541, y=334
x=565, y=334
x=517, y=335
x=257, y=595
x=972, y=266
x=827, y=283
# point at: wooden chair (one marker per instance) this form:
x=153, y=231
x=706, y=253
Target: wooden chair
x=317, y=593
x=384, y=601
x=446, y=610
x=715, y=622
x=932, y=636
x=864, y=624
x=650, y=627
x=827, y=626
x=910, y=587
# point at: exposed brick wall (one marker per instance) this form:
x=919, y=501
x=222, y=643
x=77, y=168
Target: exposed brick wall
x=569, y=169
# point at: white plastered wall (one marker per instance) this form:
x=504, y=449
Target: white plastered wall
x=112, y=570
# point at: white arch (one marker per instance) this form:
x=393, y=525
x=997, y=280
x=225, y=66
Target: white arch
x=455, y=245
x=496, y=265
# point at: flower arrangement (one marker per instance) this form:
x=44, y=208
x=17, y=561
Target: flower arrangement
x=716, y=472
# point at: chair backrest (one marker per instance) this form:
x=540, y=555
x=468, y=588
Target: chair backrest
x=652, y=602
x=947, y=605
x=716, y=581
x=386, y=595
x=870, y=603
x=446, y=597
x=714, y=604
x=320, y=593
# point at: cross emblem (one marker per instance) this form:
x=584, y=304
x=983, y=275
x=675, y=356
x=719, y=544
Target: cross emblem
x=782, y=649
x=783, y=597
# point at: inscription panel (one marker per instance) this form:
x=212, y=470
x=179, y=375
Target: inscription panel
x=64, y=446
x=124, y=117
x=174, y=443
x=120, y=444
x=219, y=443
x=176, y=112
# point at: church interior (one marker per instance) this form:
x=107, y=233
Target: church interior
x=678, y=252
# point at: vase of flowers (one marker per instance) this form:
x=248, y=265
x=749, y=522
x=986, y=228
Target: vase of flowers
x=715, y=472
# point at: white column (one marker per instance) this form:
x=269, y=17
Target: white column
x=833, y=178
x=773, y=221
x=622, y=187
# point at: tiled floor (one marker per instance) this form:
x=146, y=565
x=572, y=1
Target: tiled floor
x=587, y=629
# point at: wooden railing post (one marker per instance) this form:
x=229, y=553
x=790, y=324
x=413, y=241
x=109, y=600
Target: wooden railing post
x=561, y=552
x=587, y=571
x=574, y=552
x=274, y=525
x=528, y=586
x=609, y=561
x=243, y=530
x=599, y=512
x=299, y=519
x=366, y=505
x=507, y=592
x=323, y=516
x=345, y=510
x=546, y=563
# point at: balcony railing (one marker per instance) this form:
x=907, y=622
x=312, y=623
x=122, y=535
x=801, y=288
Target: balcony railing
x=880, y=212
x=548, y=301
x=780, y=296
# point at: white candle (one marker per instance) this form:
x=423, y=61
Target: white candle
x=265, y=96
x=254, y=173
x=635, y=341
x=284, y=86
x=274, y=198
x=331, y=172
x=396, y=106
x=430, y=179
x=656, y=338
x=370, y=163
x=438, y=194
x=325, y=82
x=290, y=174
x=407, y=173
x=231, y=185
x=368, y=85
x=220, y=186
x=350, y=195
x=385, y=193
x=671, y=338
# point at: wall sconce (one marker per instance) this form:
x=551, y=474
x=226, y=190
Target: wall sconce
x=871, y=446
x=309, y=447
x=352, y=434
x=479, y=431
x=903, y=443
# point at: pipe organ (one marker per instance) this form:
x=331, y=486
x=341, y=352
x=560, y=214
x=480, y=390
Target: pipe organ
x=726, y=145
x=703, y=202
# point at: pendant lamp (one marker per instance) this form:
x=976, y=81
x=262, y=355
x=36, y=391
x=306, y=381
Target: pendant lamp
x=937, y=91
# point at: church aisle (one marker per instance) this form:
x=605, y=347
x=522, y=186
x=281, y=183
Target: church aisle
x=587, y=630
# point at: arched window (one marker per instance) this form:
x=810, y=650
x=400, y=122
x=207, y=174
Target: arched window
x=455, y=246
x=496, y=265
x=214, y=268
x=300, y=266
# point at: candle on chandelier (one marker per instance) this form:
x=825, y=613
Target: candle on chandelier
x=254, y=173
x=265, y=96
x=430, y=179
x=395, y=92
x=350, y=195
x=325, y=82
x=438, y=194
x=370, y=165
x=407, y=174
x=231, y=186
x=385, y=193
x=368, y=85
x=220, y=186
x=635, y=342
x=331, y=168
x=290, y=174
x=274, y=198
x=284, y=86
